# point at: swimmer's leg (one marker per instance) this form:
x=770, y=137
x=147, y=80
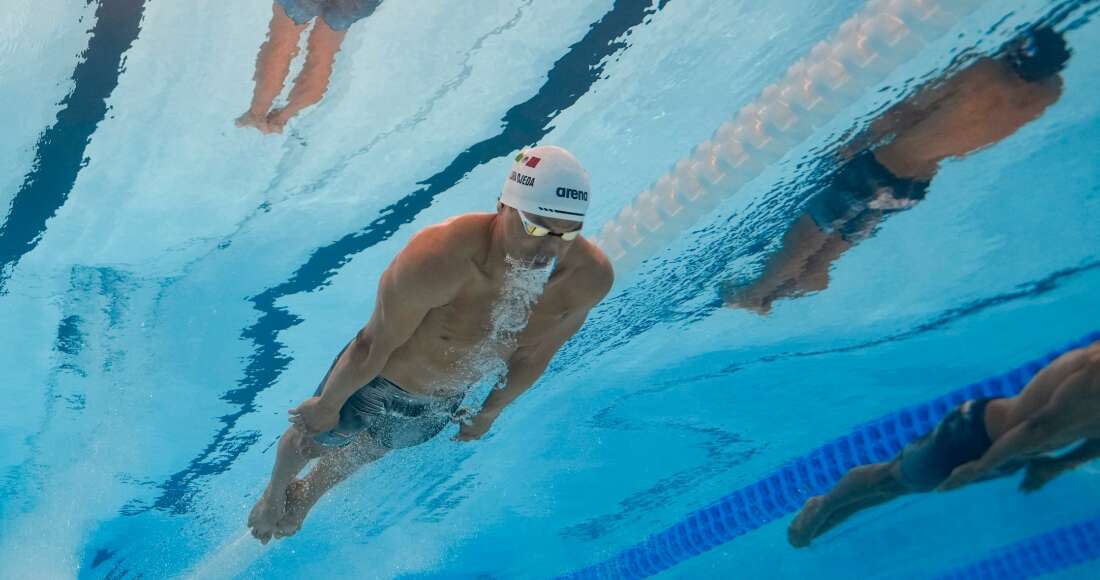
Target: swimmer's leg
x=784, y=268
x=272, y=67
x=861, y=488
x=329, y=471
x=815, y=276
x=312, y=82
x=295, y=450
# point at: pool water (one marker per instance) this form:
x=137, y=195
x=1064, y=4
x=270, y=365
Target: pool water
x=170, y=284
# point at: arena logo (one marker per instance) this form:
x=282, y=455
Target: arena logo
x=522, y=179
x=572, y=193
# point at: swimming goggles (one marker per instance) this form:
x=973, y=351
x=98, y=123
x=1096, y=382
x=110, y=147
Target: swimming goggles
x=538, y=231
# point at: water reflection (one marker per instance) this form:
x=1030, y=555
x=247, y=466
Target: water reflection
x=889, y=167
x=332, y=19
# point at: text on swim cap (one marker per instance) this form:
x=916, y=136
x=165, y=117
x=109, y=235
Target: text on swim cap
x=572, y=193
x=522, y=179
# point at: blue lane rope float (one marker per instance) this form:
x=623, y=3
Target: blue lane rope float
x=786, y=489
x=1058, y=550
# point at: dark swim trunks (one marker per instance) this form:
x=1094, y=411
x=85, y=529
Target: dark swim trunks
x=393, y=417
x=860, y=192
x=338, y=14
x=960, y=438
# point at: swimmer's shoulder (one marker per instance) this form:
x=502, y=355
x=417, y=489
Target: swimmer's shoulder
x=445, y=250
x=1092, y=356
x=463, y=236
x=593, y=271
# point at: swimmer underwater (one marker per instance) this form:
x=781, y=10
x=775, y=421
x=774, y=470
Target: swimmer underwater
x=401, y=380
x=890, y=167
x=980, y=440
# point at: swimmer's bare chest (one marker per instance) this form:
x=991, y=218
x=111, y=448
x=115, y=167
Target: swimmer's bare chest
x=457, y=343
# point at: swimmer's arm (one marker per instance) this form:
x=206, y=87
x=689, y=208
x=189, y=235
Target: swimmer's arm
x=524, y=368
x=421, y=278
x=901, y=117
x=1043, y=469
x=1079, y=456
x=1060, y=422
x=1055, y=425
x=1028, y=438
x=1047, y=429
x=1032, y=436
x=526, y=365
x=897, y=119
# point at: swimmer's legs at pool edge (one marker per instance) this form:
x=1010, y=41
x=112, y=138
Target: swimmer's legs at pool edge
x=272, y=67
x=312, y=82
x=861, y=488
x=281, y=509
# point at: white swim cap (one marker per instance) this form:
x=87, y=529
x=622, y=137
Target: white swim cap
x=547, y=181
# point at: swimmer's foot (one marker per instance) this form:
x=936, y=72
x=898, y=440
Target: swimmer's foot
x=255, y=120
x=277, y=120
x=756, y=297
x=299, y=500
x=266, y=514
x=761, y=305
x=806, y=524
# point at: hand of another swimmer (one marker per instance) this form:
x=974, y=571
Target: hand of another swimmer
x=1040, y=471
x=962, y=475
x=313, y=417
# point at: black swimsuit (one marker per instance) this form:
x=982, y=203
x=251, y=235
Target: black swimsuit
x=961, y=437
x=845, y=205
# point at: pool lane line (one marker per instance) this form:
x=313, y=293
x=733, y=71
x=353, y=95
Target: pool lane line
x=60, y=150
x=1039, y=555
x=786, y=489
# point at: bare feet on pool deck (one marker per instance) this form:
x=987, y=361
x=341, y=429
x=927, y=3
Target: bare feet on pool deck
x=804, y=528
x=265, y=516
x=299, y=500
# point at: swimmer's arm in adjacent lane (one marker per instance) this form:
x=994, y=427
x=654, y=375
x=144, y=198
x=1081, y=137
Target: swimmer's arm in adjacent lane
x=425, y=275
x=904, y=115
x=1042, y=470
x=1080, y=455
x=1055, y=425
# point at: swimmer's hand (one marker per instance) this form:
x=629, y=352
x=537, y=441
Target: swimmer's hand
x=1040, y=471
x=962, y=475
x=313, y=416
x=471, y=428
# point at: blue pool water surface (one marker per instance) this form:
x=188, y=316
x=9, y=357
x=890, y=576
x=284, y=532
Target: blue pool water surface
x=171, y=284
